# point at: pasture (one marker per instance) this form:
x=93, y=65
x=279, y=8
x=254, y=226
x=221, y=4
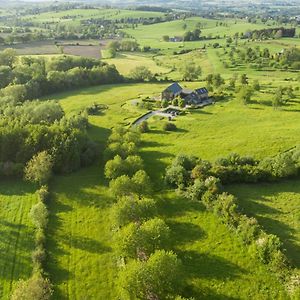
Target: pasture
x=276, y=207
x=17, y=234
x=215, y=259
x=82, y=261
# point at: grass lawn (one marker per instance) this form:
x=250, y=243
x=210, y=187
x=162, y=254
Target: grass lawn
x=276, y=207
x=81, y=261
x=16, y=234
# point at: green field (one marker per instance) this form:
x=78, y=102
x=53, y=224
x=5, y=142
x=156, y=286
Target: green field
x=215, y=131
x=74, y=16
x=276, y=207
x=17, y=234
x=82, y=261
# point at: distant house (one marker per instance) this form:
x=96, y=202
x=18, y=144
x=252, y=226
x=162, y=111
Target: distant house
x=171, y=92
x=191, y=97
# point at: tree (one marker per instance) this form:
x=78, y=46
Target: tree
x=121, y=186
x=164, y=103
x=166, y=38
x=169, y=127
x=37, y=288
x=181, y=103
x=141, y=73
x=190, y=71
x=39, y=168
x=142, y=183
x=141, y=241
x=39, y=215
x=245, y=94
x=157, y=278
x=8, y=57
x=114, y=168
x=132, y=209
x=256, y=85
x=277, y=98
x=144, y=127
x=244, y=79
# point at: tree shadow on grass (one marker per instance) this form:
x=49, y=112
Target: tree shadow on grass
x=255, y=203
x=87, y=244
x=203, y=265
x=198, y=292
x=286, y=235
x=183, y=232
x=16, y=245
x=13, y=187
x=176, y=206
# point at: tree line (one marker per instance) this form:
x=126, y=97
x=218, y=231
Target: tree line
x=38, y=286
x=23, y=78
x=148, y=269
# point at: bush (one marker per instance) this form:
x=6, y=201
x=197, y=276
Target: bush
x=194, y=192
x=267, y=247
x=39, y=215
x=37, y=288
x=39, y=237
x=38, y=257
x=39, y=168
x=226, y=208
x=143, y=127
x=169, y=127
x=43, y=193
x=132, y=209
x=10, y=169
x=177, y=176
x=248, y=229
x=158, y=277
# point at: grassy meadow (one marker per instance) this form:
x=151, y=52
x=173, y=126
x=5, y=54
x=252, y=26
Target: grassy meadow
x=276, y=207
x=17, y=234
x=82, y=262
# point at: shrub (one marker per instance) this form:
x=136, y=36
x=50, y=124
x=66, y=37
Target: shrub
x=43, y=193
x=177, y=176
x=143, y=127
x=267, y=246
x=156, y=278
x=39, y=237
x=194, y=192
x=188, y=162
x=38, y=257
x=36, y=287
x=39, y=215
x=201, y=170
x=169, y=127
x=39, y=168
x=226, y=208
x=247, y=229
x=209, y=199
x=132, y=209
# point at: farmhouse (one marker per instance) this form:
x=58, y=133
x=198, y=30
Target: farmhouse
x=191, y=97
x=172, y=91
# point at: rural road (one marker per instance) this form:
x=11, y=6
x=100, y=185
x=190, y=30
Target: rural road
x=163, y=114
